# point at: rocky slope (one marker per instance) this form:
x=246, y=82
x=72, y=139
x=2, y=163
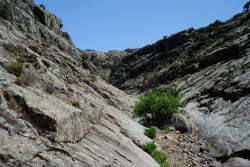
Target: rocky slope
x=58, y=108
x=53, y=110
x=212, y=67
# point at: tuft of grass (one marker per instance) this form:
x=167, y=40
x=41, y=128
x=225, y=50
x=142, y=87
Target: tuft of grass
x=150, y=132
x=35, y=49
x=167, y=129
x=25, y=79
x=15, y=68
x=75, y=103
x=149, y=147
x=160, y=158
x=10, y=47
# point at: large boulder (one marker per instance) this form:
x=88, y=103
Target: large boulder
x=181, y=123
x=51, y=116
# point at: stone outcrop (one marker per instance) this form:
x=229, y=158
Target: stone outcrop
x=54, y=110
x=102, y=63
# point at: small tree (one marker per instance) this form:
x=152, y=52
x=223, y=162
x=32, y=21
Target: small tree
x=246, y=7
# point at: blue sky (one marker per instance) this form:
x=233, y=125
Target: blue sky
x=119, y=24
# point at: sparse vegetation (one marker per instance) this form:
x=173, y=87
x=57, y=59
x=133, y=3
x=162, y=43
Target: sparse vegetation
x=167, y=129
x=15, y=68
x=49, y=88
x=158, y=156
x=75, y=102
x=25, y=79
x=45, y=43
x=34, y=48
x=10, y=47
x=5, y=10
x=212, y=27
x=160, y=104
x=150, y=132
x=37, y=65
x=149, y=147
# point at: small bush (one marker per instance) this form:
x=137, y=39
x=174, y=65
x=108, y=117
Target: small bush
x=15, y=68
x=150, y=132
x=149, y=147
x=160, y=103
x=75, y=103
x=10, y=47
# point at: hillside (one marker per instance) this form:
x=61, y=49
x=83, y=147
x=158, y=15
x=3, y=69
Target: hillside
x=54, y=111
x=60, y=106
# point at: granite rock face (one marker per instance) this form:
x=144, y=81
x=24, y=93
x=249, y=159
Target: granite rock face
x=102, y=63
x=54, y=110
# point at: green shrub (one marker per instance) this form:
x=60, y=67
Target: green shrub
x=149, y=147
x=160, y=103
x=11, y=48
x=75, y=103
x=150, y=132
x=15, y=68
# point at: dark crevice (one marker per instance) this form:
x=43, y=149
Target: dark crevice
x=225, y=95
x=245, y=154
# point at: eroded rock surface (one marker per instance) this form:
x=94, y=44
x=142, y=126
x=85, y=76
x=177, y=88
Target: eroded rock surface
x=55, y=111
x=57, y=107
